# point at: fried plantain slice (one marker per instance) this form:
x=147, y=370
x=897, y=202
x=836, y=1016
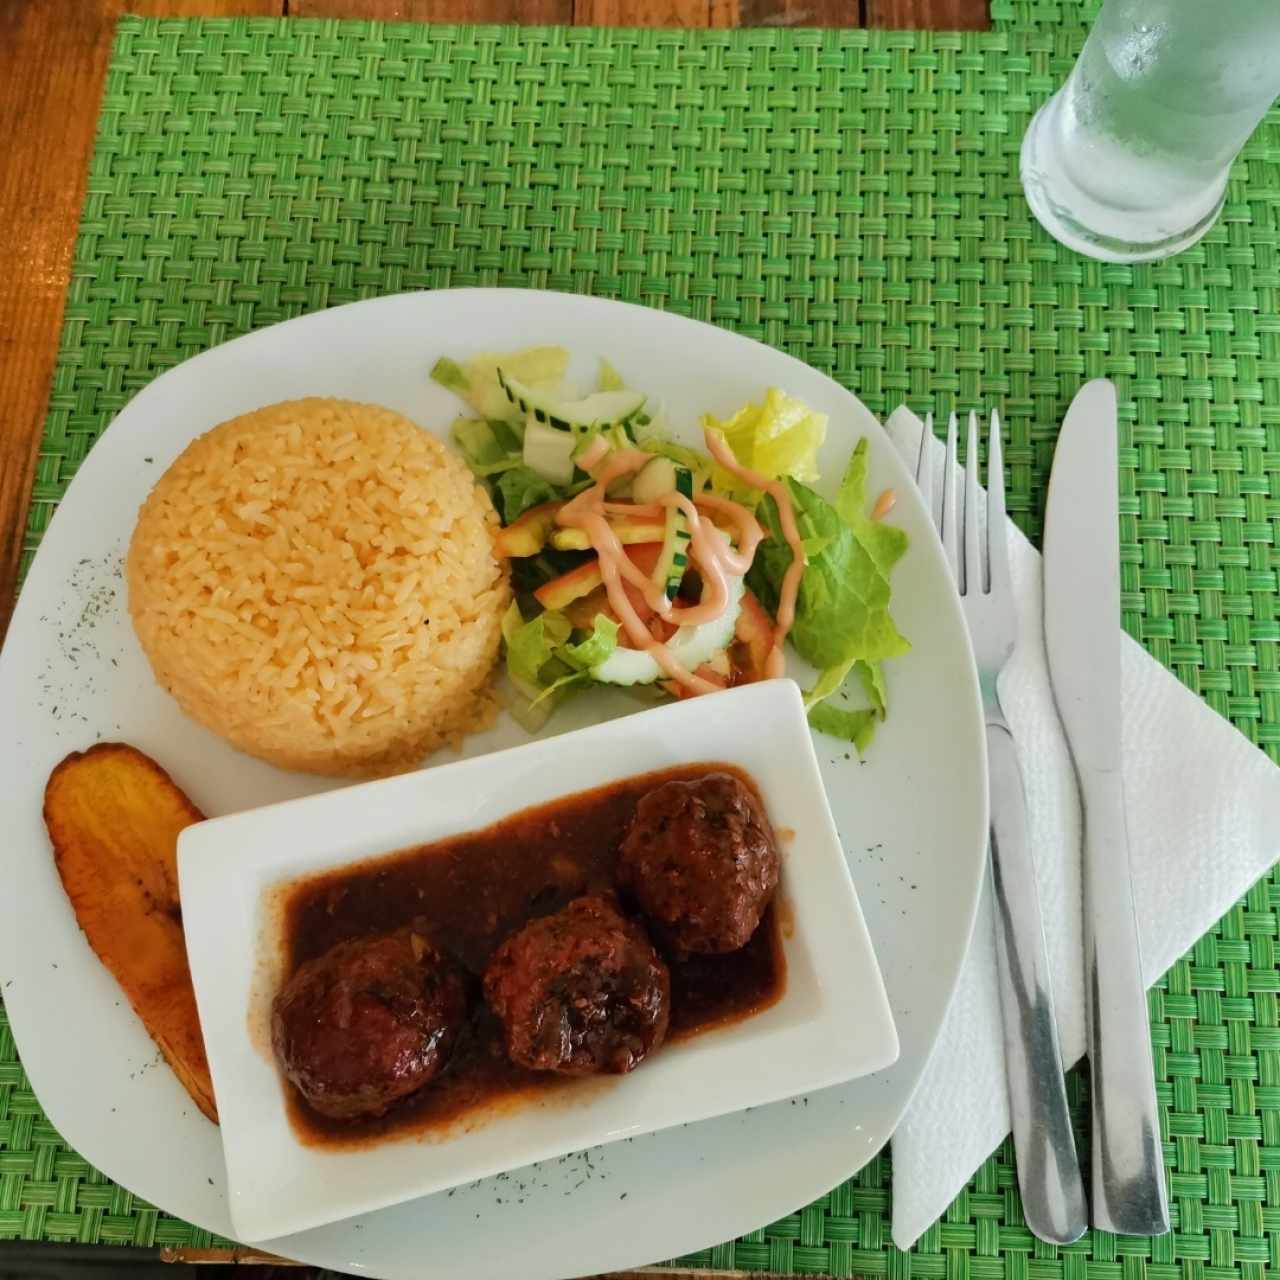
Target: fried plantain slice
x=114, y=816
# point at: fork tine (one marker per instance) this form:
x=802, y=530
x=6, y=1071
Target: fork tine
x=924, y=468
x=950, y=512
x=974, y=552
x=997, y=530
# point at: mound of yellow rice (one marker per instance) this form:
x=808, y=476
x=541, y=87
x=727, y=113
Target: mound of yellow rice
x=316, y=582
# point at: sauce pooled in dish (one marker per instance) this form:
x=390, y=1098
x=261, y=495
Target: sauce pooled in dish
x=562, y=971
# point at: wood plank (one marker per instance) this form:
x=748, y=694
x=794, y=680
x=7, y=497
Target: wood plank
x=606, y=13
x=802, y=13
x=656, y=13
x=935, y=15
x=531, y=12
x=53, y=59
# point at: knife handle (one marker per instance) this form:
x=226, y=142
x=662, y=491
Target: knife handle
x=1128, y=1161
x=1048, y=1168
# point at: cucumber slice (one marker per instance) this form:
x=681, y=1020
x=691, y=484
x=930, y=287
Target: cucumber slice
x=654, y=480
x=603, y=409
x=549, y=452
x=476, y=439
x=674, y=560
x=542, y=368
x=449, y=373
x=691, y=647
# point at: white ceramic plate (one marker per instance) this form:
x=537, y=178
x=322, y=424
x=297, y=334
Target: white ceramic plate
x=831, y=1025
x=912, y=819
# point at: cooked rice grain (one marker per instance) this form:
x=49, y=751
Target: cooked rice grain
x=316, y=582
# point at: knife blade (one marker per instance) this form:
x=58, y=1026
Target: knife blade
x=1082, y=639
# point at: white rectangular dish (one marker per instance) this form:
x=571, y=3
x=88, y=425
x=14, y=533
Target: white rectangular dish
x=831, y=1024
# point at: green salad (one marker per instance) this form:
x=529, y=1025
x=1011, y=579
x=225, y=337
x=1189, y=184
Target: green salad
x=642, y=563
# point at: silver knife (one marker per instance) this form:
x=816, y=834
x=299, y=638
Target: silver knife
x=1082, y=638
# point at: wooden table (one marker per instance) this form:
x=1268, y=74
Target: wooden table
x=53, y=57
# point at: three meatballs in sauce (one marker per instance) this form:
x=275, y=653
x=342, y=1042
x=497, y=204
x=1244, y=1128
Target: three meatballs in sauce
x=582, y=991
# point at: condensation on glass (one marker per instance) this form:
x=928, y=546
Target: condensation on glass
x=1129, y=160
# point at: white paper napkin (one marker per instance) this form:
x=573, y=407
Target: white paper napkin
x=1204, y=824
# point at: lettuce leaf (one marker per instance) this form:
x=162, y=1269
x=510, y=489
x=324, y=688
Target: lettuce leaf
x=479, y=444
x=843, y=625
x=842, y=610
x=869, y=674
x=858, y=727
x=519, y=488
x=544, y=663
x=449, y=373
x=531, y=646
x=780, y=437
x=885, y=543
x=602, y=641
x=827, y=683
x=858, y=724
x=871, y=677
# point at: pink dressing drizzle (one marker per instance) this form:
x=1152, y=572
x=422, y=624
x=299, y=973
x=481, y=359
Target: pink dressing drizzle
x=775, y=664
x=884, y=504
x=586, y=512
x=709, y=550
x=593, y=453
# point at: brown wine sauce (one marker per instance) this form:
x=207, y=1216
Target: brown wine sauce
x=468, y=893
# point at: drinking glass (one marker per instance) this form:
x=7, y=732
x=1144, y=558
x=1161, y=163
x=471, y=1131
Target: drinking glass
x=1128, y=161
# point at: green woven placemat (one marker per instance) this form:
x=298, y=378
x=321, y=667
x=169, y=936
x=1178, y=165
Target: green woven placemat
x=850, y=197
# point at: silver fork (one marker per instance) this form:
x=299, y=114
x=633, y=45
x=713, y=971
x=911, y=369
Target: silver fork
x=1048, y=1169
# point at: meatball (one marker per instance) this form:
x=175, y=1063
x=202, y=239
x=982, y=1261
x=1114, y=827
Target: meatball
x=700, y=860
x=368, y=1022
x=581, y=992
